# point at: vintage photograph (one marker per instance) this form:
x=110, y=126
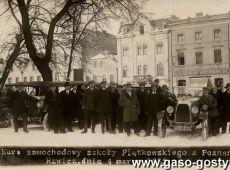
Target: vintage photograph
x=115, y=83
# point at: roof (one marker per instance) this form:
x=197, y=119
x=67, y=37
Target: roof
x=200, y=18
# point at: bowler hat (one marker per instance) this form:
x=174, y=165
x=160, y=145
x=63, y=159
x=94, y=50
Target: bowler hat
x=164, y=86
x=67, y=83
x=156, y=80
x=103, y=82
x=128, y=85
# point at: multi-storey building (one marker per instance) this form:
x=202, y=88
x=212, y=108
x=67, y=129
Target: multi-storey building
x=102, y=67
x=199, y=52
x=142, y=50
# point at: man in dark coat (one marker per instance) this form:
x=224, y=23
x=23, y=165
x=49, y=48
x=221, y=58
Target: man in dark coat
x=157, y=83
x=141, y=96
x=18, y=101
x=67, y=100
x=78, y=93
x=89, y=106
x=226, y=108
x=167, y=98
x=54, y=105
x=118, y=108
x=112, y=90
x=152, y=108
x=209, y=103
x=104, y=106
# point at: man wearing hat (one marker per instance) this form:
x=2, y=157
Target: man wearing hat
x=118, y=108
x=67, y=100
x=157, y=83
x=18, y=101
x=89, y=106
x=208, y=103
x=152, y=108
x=112, y=89
x=141, y=96
x=167, y=98
x=104, y=106
x=226, y=107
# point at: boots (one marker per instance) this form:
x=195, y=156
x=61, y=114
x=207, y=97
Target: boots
x=25, y=126
x=103, y=127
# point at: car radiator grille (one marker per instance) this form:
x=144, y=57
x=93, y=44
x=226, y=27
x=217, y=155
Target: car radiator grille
x=182, y=113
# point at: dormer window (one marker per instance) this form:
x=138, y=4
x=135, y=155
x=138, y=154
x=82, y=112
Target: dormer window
x=142, y=29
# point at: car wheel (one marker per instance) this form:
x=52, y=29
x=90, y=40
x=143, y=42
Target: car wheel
x=45, y=123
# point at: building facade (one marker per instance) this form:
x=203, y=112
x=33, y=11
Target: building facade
x=199, y=52
x=102, y=67
x=143, y=50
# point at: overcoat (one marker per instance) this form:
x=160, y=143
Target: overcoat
x=130, y=106
x=212, y=104
x=226, y=106
x=67, y=100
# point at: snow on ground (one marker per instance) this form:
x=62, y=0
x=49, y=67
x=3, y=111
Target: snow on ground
x=38, y=137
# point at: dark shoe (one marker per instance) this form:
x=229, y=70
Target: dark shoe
x=128, y=133
x=93, y=130
x=26, y=131
x=112, y=132
x=16, y=131
x=71, y=130
x=84, y=131
x=146, y=135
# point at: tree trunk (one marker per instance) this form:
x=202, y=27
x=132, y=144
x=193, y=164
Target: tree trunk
x=43, y=67
x=9, y=64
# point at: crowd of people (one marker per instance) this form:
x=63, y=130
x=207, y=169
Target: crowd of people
x=117, y=108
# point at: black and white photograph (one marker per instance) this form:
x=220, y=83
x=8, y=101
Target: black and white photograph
x=115, y=84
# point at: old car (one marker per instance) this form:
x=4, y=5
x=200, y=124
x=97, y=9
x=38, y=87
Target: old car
x=37, y=112
x=185, y=116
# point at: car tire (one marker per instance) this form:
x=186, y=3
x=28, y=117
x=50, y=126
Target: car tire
x=45, y=123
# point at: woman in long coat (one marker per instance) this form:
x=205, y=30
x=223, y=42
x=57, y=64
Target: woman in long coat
x=55, y=109
x=129, y=102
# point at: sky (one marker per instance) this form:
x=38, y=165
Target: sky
x=160, y=8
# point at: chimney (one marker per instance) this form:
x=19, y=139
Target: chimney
x=199, y=14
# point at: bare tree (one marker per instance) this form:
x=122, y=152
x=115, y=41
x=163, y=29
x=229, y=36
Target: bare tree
x=42, y=21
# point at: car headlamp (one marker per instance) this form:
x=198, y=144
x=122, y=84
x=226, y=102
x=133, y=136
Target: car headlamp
x=195, y=110
x=170, y=109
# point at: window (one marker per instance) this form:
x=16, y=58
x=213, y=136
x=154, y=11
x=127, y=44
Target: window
x=101, y=64
x=160, y=69
x=142, y=49
x=65, y=58
x=198, y=36
x=25, y=79
x=56, y=77
x=160, y=48
x=95, y=78
x=95, y=64
x=33, y=67
x=181, y=58
x=87, y=78
x=111, y=78
x=139, y=50
x=39, y=78
x=31, y=78
x=17, y=79
x=125, y=52
x=217, y=55
x=9, y=80
x=139, y=70
x=125, y=71
x=181, y=82
x=199, y=57
x=142, y=29
x=217, y=34
x=145, y=71
x=104, y=78
x=180, y=38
